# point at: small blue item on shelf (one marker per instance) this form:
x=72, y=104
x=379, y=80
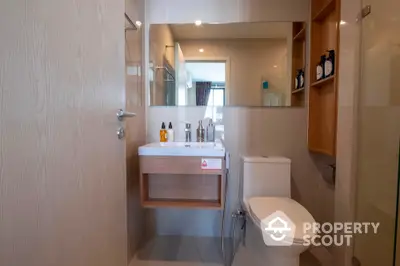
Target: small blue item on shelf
x=265, y=84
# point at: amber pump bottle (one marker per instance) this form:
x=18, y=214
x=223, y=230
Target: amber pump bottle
x=163, y=133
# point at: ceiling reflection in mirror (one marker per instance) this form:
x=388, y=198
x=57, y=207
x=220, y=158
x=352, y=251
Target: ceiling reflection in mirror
x=236, y=64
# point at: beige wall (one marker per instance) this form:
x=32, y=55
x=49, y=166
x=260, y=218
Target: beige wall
x=250, y=62
x=160, y=36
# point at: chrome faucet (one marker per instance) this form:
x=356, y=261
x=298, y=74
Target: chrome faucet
x=188, y=132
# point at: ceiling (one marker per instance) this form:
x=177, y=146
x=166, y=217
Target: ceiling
x=274, y=30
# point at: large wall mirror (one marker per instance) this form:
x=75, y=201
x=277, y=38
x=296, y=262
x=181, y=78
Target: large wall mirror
x=236, y=64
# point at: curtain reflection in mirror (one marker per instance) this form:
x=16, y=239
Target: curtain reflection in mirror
x=203, y=90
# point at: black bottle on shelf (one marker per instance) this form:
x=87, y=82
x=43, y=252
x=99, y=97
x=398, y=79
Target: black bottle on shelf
x=329, y=67
x=301, y=79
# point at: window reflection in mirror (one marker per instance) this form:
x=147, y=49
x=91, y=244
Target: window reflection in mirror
x=206, y=83
x=236, y=64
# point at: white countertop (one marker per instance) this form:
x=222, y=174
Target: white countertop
x=206, y=149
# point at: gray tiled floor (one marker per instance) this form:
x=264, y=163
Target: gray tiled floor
x=192, y=251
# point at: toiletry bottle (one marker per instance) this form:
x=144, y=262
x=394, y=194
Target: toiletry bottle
x=210, y=134
x=188, y=132
x=170, y=133
x=297, y=80
x=330, y=64
x=200, y=132
x=320, y=68
x=301, y=79
x=163, y=133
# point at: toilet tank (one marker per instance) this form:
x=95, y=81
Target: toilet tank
x=265, y=177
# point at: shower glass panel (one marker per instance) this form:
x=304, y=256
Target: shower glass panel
x=378, y=133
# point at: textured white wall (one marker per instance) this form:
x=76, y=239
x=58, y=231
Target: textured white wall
x=62, y=169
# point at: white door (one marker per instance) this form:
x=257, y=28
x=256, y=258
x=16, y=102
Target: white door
x=62, y=167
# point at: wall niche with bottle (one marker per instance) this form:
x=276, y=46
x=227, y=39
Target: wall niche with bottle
x=299, y=64
x=325, y=21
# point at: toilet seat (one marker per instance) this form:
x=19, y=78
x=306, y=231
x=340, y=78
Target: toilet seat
x=260, y=208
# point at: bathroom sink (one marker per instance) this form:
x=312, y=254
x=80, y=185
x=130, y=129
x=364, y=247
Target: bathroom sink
x=209, y=149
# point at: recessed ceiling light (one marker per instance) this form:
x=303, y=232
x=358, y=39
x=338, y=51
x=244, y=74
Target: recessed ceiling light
x=342, y=22
x=201, y=50
x=275, y=66
x=197, y=22
x=138, y=23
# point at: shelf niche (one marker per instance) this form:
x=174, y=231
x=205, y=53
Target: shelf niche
x=298, y=61
x=323, y=94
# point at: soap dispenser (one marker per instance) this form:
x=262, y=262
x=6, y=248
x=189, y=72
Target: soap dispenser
x=200, y=132
x=163, y=133
x=210, y=134
x=170, y=133
x=296, y=80
x=320, y=68
x=329, y=68
x=301, y=79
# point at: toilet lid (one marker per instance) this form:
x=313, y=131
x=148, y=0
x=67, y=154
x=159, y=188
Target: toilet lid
x=263, y=207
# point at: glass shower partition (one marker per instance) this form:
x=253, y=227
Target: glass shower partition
x=378, y=133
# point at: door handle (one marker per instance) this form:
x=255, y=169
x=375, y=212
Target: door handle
x=121, y=114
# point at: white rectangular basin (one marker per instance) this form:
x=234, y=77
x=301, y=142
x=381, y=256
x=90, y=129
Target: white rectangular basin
x=206, y=149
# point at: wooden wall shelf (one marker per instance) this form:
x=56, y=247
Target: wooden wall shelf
x=322, y=115
x=179, y=182
x=298, y=90
x=326, y=10
x=323, y=82
x=300, y=36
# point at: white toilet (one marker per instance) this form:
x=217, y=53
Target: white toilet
x=265, y=190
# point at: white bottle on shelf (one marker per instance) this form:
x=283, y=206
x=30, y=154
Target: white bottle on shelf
x=170, y=133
